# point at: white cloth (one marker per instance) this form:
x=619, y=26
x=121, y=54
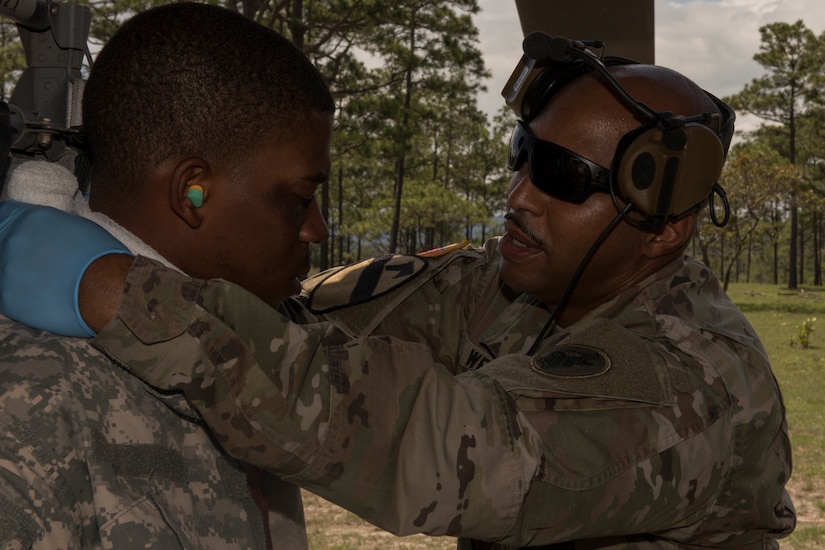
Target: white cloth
x=50, y=184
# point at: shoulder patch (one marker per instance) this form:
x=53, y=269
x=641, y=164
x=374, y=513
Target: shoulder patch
x=572, y=361
x=364, y=281
x=437, y=252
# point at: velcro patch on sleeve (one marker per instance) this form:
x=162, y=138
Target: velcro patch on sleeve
x=604, y=360
x=364, y=281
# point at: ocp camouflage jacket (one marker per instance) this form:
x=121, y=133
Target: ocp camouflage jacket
x=653, y=422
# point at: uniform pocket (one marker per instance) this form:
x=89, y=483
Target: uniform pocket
x=140, y=526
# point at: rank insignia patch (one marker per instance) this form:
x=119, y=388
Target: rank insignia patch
x=572, y=361
x=364, y=281
x=437, y=252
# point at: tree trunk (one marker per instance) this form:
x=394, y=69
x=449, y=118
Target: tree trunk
x=802, y=253
x=326, y=251
x=402, y=155
x=775, y=263
x=817, y=227
x=792, y=259
x=340, y=216
x=297, y=27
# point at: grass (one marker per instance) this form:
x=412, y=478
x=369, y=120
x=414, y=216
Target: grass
x=776, y=313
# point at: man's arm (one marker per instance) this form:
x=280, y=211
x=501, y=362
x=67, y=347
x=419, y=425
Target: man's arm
x=101, y=288
x=43, y=255
x=505, y=453
x=330, y=414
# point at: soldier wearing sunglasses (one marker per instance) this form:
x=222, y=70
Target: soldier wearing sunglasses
x=578, y=382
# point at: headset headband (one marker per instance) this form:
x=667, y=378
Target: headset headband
x=549, y=63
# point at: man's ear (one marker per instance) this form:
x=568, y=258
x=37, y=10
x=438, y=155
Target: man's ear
x=189, y=189
x=670, y=238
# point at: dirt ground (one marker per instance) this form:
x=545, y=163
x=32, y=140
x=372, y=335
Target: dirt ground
x=332, y=528
x=809, y=502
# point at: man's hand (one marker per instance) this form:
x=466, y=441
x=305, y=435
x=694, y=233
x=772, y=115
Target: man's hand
x=44, y=252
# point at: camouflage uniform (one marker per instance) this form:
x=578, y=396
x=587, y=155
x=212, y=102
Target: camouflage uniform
x=91, y=457
x=451, y=299
x=654, y=422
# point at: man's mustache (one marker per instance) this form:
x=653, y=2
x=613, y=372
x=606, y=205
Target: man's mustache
x=516, y=220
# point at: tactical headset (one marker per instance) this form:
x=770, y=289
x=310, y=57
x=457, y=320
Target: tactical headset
x=665, y=168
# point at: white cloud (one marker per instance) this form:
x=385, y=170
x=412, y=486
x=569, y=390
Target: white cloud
x=500, y=36
x=712, y=42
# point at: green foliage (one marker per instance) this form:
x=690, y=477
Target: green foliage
x=792, y=56
x=417, y=157
x=803, y=333
x=430, y=65
x=12, y=59
x=781, y=165
x=108, y=15
x=757, y=180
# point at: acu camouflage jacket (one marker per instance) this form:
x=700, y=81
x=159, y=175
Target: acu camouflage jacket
x=655, y=422
x=92, y=458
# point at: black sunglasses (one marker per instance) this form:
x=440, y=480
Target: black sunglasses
x=557, y=171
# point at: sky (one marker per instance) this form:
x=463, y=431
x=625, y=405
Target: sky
x=710, y=41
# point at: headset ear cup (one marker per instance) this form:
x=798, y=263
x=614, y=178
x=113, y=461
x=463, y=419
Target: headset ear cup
x=702, y=162
x=637, y=168
x=666, y=173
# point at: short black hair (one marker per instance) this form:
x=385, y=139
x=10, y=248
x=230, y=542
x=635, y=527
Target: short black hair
x=192, y=79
